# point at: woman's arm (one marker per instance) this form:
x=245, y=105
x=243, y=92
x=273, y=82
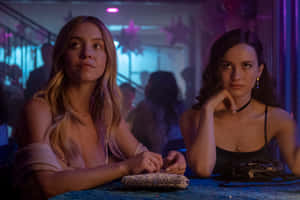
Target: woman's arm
x=54, y=183
x=173, y=163
x=38, y=118
x=286, y=138
x=197, y=128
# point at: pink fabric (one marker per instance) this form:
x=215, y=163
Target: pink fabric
x=41, y=157
x=37, y=154
x=117, y=153
x=35, y=157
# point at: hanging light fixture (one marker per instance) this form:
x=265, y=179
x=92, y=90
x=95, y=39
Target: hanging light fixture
x=112, y=10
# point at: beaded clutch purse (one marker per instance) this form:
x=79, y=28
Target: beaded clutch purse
x=255, y=170
x=156, y=180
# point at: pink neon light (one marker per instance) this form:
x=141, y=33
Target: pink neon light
x=112, y=10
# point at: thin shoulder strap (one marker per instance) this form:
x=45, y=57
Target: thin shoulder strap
x=266, y=125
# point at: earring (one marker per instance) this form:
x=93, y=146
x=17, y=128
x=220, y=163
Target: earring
x=257, y=82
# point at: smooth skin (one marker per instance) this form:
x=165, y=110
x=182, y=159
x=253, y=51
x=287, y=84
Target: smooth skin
x=85, y=62
x=217, y=124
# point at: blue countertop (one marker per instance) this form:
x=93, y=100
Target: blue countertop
x=208, y=189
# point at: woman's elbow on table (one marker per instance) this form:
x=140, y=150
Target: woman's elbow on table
x=200, y=166
x=204, y=173
x=296, y=171
x=48, y=187
x=203, y=170
x=47, y=191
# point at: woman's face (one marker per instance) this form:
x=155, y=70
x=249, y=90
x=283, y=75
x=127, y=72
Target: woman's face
x=85, y=57
x=239, y=70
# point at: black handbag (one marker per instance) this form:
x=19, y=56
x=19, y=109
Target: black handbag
x=256, y=170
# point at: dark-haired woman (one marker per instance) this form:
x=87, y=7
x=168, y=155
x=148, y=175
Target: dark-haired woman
x=155, y=121
x=237, y=115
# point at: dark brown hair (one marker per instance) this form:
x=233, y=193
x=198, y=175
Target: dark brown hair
x=162, y=91
x=211, y=81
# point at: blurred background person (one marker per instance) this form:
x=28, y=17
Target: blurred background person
x=128, y=96
x=188, y=75
x=154, y=121
x=39, y=77
x=13, y=93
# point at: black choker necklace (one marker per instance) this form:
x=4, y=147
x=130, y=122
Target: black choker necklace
x=244, y=106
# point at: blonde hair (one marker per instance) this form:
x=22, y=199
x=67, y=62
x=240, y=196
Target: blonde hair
x=105, y=100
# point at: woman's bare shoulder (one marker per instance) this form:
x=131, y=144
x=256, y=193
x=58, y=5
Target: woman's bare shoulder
x=37, y=106
x=37, y=102
x=37, y=117
x=275, y=113
x=280, y=119
x=279, y=114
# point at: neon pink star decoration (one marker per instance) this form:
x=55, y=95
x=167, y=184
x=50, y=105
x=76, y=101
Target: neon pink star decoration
x=129, y=41
x=177, y=32
x=132, y=29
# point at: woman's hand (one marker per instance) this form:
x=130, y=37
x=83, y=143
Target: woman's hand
x=221, y=101
x=144, y=162
x=175, y=163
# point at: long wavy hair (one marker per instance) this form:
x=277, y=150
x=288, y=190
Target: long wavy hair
x=211, y=80
x=105, y=100
x=162, y=91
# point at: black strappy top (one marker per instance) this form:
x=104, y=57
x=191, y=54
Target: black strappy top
x=225, y=159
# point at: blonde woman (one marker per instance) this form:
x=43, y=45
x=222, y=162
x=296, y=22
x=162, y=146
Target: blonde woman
x=73, y=136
